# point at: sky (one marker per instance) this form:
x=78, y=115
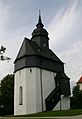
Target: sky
x=61, y=18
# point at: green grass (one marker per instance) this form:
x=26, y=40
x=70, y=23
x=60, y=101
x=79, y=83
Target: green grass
x=48, y=114
x=55, y=113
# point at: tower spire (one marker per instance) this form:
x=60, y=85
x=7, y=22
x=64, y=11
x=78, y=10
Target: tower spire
x=39, y=13
x=39, y=21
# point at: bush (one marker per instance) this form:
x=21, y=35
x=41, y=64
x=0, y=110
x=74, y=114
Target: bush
x=76, y=100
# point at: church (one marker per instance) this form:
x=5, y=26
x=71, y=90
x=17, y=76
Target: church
x=40, y=81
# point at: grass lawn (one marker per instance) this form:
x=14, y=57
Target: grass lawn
x=48, y=114
x=56, y=113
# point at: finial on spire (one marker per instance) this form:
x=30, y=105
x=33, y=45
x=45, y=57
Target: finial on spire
x=39, y=20
x=39, y=13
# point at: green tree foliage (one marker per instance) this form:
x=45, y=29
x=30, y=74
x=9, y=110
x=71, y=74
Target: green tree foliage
x=7, y=91
x=76, y=100
x=76, y=92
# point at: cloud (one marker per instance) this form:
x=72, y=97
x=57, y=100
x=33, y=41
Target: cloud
x=73, y=58
x=4, y=17
x=11, y=36
x=63, y=40
x=73, y=61
x=62, y=23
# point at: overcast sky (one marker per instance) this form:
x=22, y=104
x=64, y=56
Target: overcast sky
x=61, y=18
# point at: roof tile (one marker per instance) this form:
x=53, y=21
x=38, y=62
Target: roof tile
x=80, y=80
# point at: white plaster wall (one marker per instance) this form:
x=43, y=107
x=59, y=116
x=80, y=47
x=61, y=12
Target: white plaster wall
x=30, y=80
x=34, y=100
x=80, y=86
x=20, y=80
x=31, y=83
x=38, y=91
x=48, y=84
x=65, y=103
x=31, y=90
x=57, y=107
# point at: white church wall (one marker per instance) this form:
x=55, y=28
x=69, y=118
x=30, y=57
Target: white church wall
x=20, y=80
x=65, y=103
x=48, y=84
x=30, y=80
x=57, y=107
x=31, y=90
x=38, y=91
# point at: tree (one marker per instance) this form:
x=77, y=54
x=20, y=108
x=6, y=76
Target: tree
x=76, y=92
x=76, y=100
x=7, y=91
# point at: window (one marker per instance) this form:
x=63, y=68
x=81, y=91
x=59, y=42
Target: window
x=20, y=95
x=30, y=70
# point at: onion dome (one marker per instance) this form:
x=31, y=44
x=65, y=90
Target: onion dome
x=40, y=35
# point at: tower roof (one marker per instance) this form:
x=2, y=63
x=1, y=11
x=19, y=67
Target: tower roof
x=40, y=31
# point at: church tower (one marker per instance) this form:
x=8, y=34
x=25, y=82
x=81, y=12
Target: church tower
x=40, y=81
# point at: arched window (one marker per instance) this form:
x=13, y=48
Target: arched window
x=20, y=95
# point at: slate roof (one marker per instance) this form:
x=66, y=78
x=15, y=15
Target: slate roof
x=29, y=47
x=80, y=80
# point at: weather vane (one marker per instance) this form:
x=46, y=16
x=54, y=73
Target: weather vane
x=2, y=51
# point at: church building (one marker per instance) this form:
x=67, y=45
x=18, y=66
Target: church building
x=40, y=81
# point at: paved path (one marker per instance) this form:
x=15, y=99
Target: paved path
x=70, y=117
x=63, y=117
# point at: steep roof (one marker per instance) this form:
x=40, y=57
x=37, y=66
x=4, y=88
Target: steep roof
x=80, y=80
x=29, y=47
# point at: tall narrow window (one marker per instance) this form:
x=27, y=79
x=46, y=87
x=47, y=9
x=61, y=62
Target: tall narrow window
x=20, y=95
